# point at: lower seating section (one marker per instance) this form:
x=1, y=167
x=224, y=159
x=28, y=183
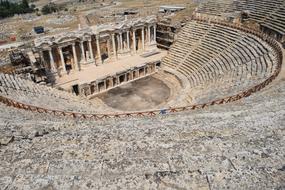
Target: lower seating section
x=28, y=92
x=235, y=146
x=223, y=61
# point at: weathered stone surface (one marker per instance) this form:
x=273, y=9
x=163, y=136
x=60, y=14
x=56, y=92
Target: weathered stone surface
x=6, y=140
x=233, y=146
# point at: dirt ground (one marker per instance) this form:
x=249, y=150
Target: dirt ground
x=22, y=26
x=143, y=94
x=189, y=4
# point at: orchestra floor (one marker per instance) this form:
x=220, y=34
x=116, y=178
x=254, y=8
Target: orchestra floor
x=144, y=94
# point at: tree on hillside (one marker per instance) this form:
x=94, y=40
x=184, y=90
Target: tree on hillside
x=8, y=9
x=50, y=8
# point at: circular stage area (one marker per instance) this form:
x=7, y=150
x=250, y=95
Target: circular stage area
x=143, y=94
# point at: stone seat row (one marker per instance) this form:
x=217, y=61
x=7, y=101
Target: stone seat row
x=248, y=58
x=270, y=14
x=228, y=84
x=276, y=20
x=199, y=64
x=75, y=148
x=30, y=93
x=241, y=79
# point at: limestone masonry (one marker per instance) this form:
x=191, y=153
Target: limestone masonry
x=144, y=95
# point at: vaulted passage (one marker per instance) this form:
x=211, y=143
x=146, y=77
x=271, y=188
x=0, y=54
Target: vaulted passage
x=143, y=94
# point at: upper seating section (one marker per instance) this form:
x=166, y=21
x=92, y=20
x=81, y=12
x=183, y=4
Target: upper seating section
x=219, y=61
x=218, y=7
x=268, y=13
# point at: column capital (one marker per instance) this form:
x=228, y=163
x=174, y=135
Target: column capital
x=47, y=49
x=60, y=47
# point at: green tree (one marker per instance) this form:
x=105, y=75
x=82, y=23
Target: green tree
x=25, y=4
x=8, y=9
x=50, y=8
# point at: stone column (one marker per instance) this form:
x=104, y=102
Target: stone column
x=121, y=41
x=90, y=50
x=128, y=40
x=62, y=60
x=149, y=36
x=154, y=33
x=114, y=45
x=75, y=57
x=52, y=64
x=108, y=47
x=143, y=38
x=105, y=84
x=126, y=77
x=118, y=43
x=112, y=82
x=98, y=48
x=83, y=58
x=134, y=40
x=118, y=80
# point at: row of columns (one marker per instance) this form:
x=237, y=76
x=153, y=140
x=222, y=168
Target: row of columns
x=111, y=82
x=120, y=39
x=120, y=47
x=76, y=62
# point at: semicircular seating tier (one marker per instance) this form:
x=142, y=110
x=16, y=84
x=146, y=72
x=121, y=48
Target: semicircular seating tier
x=215, y=61
x=27, y=92
x=269, y=14
x=234, y=144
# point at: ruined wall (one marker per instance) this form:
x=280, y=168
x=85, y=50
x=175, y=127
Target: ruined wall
x=165, y=35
